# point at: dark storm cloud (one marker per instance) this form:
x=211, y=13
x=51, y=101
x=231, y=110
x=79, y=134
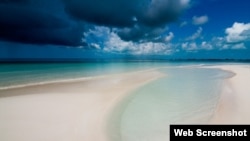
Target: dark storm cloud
x=20, y=21
x=159, y=12
x=14, y=1
x=142, y=34
x=62, y=22
x=137, y=19
x=23, y=17
x=103, y=12
x=122, y=13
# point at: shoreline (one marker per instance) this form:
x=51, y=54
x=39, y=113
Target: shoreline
x=233, y=106
x=82, y=109
x=70, y=80
x=64, y=111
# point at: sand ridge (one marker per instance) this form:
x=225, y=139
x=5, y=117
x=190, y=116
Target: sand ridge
x=66, y=111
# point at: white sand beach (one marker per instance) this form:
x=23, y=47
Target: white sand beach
x=67, y=111
x=79, y=110
x=234, y=104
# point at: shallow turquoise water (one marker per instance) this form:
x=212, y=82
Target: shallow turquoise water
x=32, y=73
x=22, y=74
x=185, y=96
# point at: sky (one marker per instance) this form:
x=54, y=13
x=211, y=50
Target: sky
x=125, y=29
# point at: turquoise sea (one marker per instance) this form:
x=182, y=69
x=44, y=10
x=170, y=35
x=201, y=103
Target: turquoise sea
x=18, y=75
x=15, y=75
x=187, y=95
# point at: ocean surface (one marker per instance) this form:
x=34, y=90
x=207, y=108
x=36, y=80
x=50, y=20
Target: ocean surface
x=19, y=75
x=187, y=95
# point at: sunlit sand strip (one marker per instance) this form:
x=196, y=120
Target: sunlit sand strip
x=68, y=111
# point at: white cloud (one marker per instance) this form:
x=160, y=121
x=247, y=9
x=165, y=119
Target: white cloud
x=184, y=45
x=107, y=40
x=102, y=38
x=193, y=46
x=169, y=37
x=96, y=46
x=233, y=46
x=185, y=2
x=153, y=48
x=116, y=45
x=239, y=32
x=225, y=46
x=239, y=46
x=200, y=20
x=189, y=46
x=222, y=44
x=183, y=24
x=206, y=46
x=218, y=41
x=196, y=35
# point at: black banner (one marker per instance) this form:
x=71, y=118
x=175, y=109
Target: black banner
x=214, y=132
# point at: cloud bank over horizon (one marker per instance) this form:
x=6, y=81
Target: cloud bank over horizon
x=63, y=22
x=127, y=27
